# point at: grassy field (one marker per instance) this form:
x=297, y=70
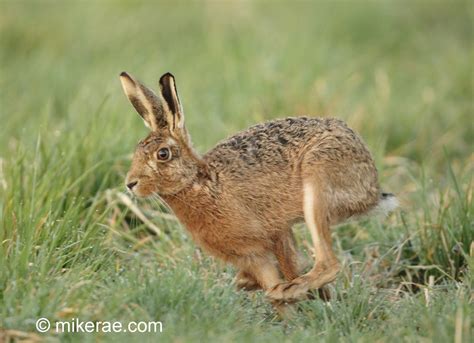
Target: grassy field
x=72, y=245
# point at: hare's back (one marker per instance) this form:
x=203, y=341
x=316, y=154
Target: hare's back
x=274, y=146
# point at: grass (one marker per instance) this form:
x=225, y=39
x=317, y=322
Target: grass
x=72, y=247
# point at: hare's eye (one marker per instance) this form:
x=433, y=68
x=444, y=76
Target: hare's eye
x=164, y=154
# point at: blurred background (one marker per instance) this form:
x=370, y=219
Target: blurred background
x=400, y=73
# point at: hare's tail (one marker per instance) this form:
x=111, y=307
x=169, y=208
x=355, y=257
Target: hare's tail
x=387, y=204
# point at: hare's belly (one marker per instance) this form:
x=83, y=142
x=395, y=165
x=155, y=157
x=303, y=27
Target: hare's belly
x=234, y=238
x=232, y=249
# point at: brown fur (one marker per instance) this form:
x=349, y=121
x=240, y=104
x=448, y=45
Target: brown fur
x=240, y=200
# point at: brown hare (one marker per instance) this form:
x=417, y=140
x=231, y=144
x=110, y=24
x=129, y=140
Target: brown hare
x=240, y=200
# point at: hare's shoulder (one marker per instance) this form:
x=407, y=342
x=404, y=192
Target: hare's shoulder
x=270, y=144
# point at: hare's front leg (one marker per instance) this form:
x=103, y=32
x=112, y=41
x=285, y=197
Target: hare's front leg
x=326, y=264
x=246, y=281
x=267, y=276
x=286, y=255
x=258, y=273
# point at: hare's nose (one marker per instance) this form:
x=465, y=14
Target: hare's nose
x=132, y=184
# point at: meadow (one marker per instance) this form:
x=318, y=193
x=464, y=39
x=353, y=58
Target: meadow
x=73, y=244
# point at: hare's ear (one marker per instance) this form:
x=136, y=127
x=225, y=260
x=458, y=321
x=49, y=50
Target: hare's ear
x=170, y=95
x=148, y=105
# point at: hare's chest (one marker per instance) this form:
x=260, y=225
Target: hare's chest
x=207, y=231
x=206, y=226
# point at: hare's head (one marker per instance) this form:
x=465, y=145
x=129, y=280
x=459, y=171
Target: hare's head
x=164, y=162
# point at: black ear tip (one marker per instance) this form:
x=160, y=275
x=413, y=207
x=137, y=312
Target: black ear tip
x=124, y=74
x=166, y=76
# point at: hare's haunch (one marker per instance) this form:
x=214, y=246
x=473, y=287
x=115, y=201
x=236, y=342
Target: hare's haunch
x=240, y=200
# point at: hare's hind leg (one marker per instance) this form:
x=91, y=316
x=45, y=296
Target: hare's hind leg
x=326, y=264
x=289, y=264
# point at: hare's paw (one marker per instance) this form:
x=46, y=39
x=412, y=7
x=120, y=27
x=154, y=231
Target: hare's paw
x=322, y=274
x=324, y=294
x=294, y=290
x=298, y=288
